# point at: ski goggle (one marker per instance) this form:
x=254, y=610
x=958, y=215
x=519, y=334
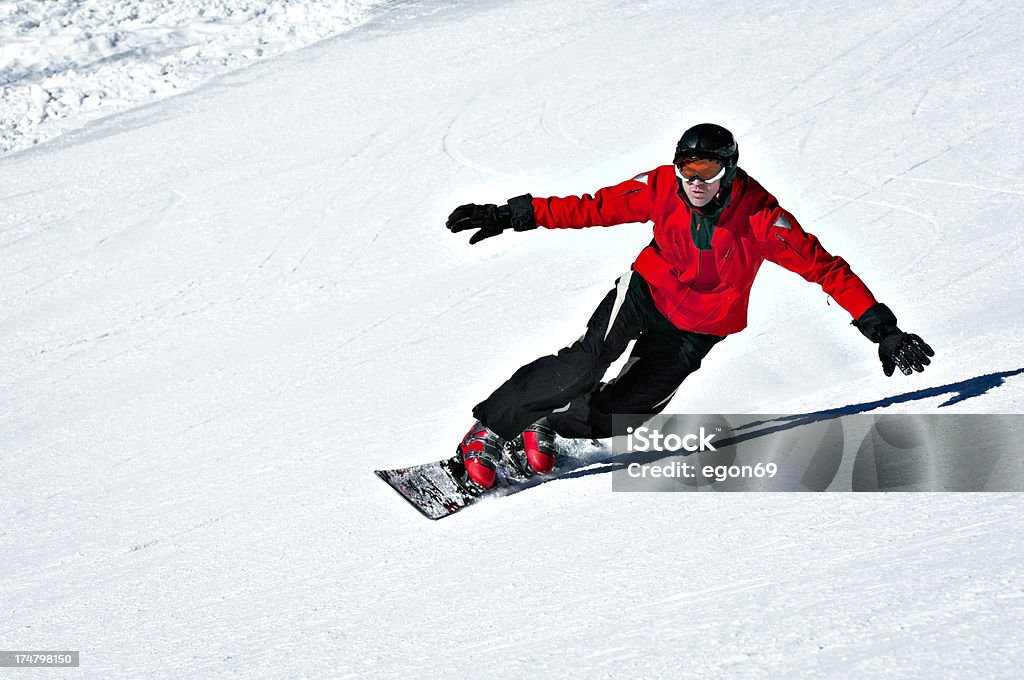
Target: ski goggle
x=705, y=169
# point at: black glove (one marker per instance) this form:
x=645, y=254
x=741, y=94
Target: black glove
x=905, y=351
x=896, y=349
x=492, y=219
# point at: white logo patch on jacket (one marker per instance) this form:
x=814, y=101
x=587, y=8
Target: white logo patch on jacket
x=782, y=223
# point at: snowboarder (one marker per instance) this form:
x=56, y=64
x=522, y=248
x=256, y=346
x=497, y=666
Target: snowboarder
x=713, y=227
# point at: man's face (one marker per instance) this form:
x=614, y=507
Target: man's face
x=700, y=192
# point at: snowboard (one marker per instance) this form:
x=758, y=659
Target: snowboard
x=431, y=488
x=436, y=491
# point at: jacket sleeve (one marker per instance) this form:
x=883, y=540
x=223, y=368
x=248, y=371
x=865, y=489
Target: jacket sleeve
x=785, y=243
x=628, y=201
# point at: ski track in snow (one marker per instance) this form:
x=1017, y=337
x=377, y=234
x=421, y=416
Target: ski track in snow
x=223, y=310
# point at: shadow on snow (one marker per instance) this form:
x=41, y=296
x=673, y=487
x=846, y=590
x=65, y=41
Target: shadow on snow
x=607, y=461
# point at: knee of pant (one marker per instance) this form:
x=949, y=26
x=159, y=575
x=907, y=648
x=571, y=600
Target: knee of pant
x=581, y=355
x=581, y=383
x=581, y=375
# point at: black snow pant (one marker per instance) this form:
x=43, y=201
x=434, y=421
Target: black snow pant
x=566, y=388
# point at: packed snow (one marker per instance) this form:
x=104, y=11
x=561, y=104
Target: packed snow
x=223, y=310
x=66, y=62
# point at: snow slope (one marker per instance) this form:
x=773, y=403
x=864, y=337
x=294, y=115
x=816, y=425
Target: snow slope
x=221, y=311
x=66, y=62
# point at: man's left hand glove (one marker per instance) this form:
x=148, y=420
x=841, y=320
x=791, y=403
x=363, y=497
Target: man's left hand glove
x=896, y=349
x=905, y=351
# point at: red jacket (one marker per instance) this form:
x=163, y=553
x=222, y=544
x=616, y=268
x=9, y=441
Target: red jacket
x=708, y=291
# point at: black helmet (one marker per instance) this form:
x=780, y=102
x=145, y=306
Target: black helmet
x=708, y=140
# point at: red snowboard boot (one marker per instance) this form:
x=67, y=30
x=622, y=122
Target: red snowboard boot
x=533, y=452
x=480, y=453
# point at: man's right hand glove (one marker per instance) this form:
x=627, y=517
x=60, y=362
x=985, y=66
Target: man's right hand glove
x=896, y=349
x=491, y=220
